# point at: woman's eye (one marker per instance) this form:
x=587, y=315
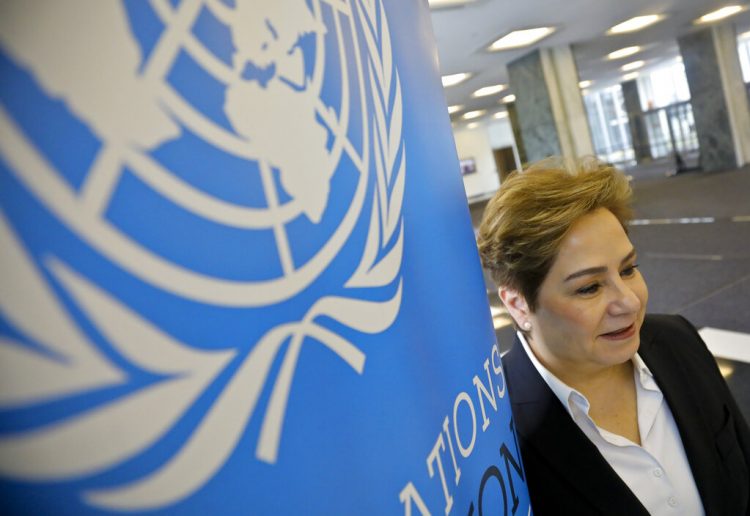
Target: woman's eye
x=588, y=289
x=629, y=271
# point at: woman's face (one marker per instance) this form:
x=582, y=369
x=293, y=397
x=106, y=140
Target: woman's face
x=592, y=303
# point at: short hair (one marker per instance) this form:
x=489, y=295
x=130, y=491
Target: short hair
x=525, y=222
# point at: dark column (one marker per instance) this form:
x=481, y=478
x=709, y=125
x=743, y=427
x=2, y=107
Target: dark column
x=638, y=133
x=515, y=125
x=711, y=109
x=533, y=107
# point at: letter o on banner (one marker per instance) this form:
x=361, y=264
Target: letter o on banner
x=498, y=369
x=492, y=471
x=465, y=450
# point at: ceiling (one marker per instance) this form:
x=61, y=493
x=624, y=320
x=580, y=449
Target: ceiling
x=464, y=32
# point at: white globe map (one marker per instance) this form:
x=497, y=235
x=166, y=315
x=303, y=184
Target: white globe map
x=284, y=125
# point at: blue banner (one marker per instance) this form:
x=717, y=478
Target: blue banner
x=238, y=271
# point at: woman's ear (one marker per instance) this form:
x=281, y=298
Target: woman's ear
x=516, y=305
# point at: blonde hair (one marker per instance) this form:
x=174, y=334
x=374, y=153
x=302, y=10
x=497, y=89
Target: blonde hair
x=525, y=222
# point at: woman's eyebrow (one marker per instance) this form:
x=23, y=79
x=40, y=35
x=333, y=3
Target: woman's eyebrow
x=598, y=270
x=628, y=256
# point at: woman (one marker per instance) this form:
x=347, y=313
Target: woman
x=616, y=411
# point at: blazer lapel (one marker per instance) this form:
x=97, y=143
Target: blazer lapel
x=684, y=401
x=543, y=423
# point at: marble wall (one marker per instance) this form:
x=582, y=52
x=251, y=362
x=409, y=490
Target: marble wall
x=475, y=144
x=707, y=98
x=533, y=106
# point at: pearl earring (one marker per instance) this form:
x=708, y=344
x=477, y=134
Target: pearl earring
x=527, y=325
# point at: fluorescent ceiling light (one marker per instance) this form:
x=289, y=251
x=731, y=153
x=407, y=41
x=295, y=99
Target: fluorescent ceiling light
x=489, y=90
x=472, y=125
x=720, y=14
x=439, y=4
x=630, y=76
x=508, y=99
x=634, y=24
x=455, y=109
x=473, y=114
x=623, y=52
x=521, y=38
x=500, y=114
x=585, y=84
x=632, y=66
x=453, y=79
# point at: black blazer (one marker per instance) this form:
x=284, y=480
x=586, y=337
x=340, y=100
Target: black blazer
x=565, y=472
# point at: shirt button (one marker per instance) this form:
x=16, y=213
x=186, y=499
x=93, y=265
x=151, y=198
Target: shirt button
x=672, y=501
x=658, y=472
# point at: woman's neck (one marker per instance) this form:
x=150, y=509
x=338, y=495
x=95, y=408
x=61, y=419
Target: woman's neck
x=585, y=377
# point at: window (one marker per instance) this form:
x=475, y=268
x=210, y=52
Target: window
x=663, y=86
x=743, y=48
x=608, y=121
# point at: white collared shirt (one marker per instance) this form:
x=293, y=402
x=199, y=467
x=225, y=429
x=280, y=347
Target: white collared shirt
x=657, y=471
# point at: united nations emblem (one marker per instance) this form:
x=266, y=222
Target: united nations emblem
x=191, y=192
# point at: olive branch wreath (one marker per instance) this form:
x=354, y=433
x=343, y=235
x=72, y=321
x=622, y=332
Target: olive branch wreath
x=121, y=430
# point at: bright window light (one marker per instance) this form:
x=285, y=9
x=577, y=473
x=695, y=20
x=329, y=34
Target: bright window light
x=585, y=84
x=634, y=24
x=500, y=114
x=623, y=52
x=489, y=90
x=454, y=109
x=630, y=76
x=508, y=99
x=521, y=38
x=632, y=66
x=720, y=14
x=453, y=79
x=744, y=51
x=438, y=4
x=473, y=114
x=664, y=85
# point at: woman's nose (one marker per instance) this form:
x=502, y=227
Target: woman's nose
x=624, y=300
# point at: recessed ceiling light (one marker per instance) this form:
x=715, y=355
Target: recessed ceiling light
x=473, y=114
x=585, y=84
x=453, y=79
x=454, y=109
x=489, y=90
x=630, y=76
x=634, y=24
x=472, y=125
x=632, y=66
x=508, y=99
x=720, y=14
x=439, y=4
x=624, y=52
x=521, y=38
x=500, y=114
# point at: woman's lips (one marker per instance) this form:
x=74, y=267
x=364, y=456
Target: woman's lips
x=623, y=333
